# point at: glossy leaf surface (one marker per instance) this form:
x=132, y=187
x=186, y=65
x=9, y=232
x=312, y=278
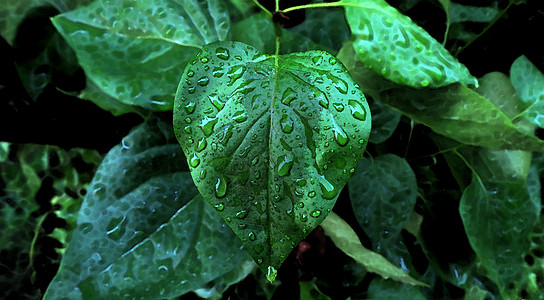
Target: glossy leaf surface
x=271, y=140
x=142, y=228
x=456, y=112
x=155, y=40
x=383, y=193
x=347, y=240
x=393, y=46
x=529, y=84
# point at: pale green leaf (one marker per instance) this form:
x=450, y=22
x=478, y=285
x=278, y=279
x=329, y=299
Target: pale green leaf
x=135, y=50
x=391, y=45
x=143, y=229
x=347, y=240
x=529, y=84
x=270, y=140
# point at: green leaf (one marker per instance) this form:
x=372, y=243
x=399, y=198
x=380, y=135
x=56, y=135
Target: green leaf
x=387, y=289
x=143, y=229
x=4, y=151
x=466, y=13
x=12, y=13
x=347, y=240
x=392, y=45
x=93, y=93
x=498, y=217
x=135, y=50
x=384, y=122
x=270, y=140
x=310, y=291
x=529, y=84
x=383, y=193
x=219, y=285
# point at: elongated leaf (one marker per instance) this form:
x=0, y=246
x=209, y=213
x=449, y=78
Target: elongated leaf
x=529, y=84
x=270, y=140
x=139, y=232
x=347, y=240
x=456, y=112
x=392, y=45
x=135, y=50
x=383, y=194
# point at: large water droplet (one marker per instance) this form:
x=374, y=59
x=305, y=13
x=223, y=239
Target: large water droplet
x=286, y=123
x=218, y=72
x=207, y=125
x=241, y=214
x=317, y=60
x=220, y=187
x=214, y=99
x=239, y=116
x=329, y=191
x=340, y=136
x=252, y=236
x=219, y=207
x=358, y=111
x=222, y=53
x=227, y=134
x=235, y=73
x=194, y=161
x=284, y=165
x=338, y=106
x=203, y=81
x=190, y=107
x=316, y=213
x=272, y=273
x=288, y=96
x=201, y=144
x=204, y=59
x=339, y=83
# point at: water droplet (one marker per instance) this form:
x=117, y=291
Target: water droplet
x=286, y=124
x=194, y=161
x=207, y=125
x=316, y=213
x=324, y=102
x=252, y=236
x=203, y=81
x=241, y=214
x=190, y=73
x=190, y=107
x=288, y=96
x=204, y=59
x=218, y=72
x=219, y=207
x=304, y=218
x=116, y=228
x=358, y=111
x=311, y=194
x=255, y=161
x=260, y=261
x=339, y=83
x=235, y=73
x=201, y=144
x=214, y=99
x=239, y=116
x=301, y=204
x=220, y=187
x=300, y=182
x=272, y=273
x=227, y=134
x=188, y=120
x=425, y=83
x=340, y=136
x=222, y=53
x=284, y=165
x=191, y=90
x=317, y=60
x=329, y=191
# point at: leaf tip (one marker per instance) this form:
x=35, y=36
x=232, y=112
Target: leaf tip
x=272, y=273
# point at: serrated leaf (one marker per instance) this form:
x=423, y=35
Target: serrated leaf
x=270, y=140
x=347, y=240
x=383, y=193
x=138, y=60
x=529, y=84
x=456, y=111
x=392, y=45
x=143, y=229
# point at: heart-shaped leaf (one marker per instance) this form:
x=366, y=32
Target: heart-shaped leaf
x=271, y=140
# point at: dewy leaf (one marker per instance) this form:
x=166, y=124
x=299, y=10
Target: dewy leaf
x=139, y=232
x=347, y=240
x=498, y=218
x=138, y=60
x=270, y=140
x=529, y=84
x=383, y=193
x=392, y=45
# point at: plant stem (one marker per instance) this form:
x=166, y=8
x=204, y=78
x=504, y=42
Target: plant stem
x=314, y=5
x=34, y=239
x=262, y=8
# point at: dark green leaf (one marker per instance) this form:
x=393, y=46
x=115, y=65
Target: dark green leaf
x=310, y=291
x=392, y=45
x=529, y=84
x=387, y=289
x=383, y=193
x=139, y=232
x=346, y=240
x=219, y=285
x=135, y=50
x=270, y=140
x=384, y=122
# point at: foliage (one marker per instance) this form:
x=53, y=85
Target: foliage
x=351, y=155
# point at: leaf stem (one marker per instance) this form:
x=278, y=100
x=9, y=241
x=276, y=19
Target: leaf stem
x=34, y=240
x=313, y=5
x=256, y=2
